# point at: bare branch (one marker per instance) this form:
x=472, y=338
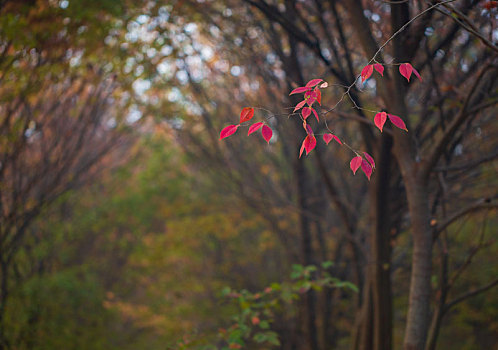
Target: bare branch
x=484, y=203
x=470, y=294
x=448, y=134
x=472, y=164
x=467, y=24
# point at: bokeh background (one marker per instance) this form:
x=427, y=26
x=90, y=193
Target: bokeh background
x=126, y=223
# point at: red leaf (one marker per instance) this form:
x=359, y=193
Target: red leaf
x=416, y=74
x=308, y=129
x=299, y=105
x=316, y=115
x=366, y=72
x=327, y=138
x=318, y=95
x=307, y=94
x=355, y=163
x=306, y=112
x=379, y=68
x=309, y=143
x=267, y=133
x=302, y=148
x=254, y=128
x=367, y=169
x=299, y=90
x=246, y=114
x=380, y=120
x=324, y=85
x=337, y=139
x=228, y=130
x=397, y=121
x=310, y=101
x=313, y=82
x=370, y=159
x=406, y=70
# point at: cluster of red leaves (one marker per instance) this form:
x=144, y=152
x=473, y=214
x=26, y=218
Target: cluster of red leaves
x=367, y=164
x=381, y=117
x=367, y=71
x=313, y=94
x=310, y=96
x=405, y=69
x=246, y=115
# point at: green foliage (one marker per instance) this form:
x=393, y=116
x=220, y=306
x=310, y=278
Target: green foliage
x=251, y=327
x=62, y=310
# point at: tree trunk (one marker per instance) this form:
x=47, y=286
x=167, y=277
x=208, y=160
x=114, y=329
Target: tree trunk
x=417, y=323
x=363, y=339
x=417, y=195
x=300, y=174
x=380, y=268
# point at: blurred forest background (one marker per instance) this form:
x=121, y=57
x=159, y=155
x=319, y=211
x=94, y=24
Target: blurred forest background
x=125, y=223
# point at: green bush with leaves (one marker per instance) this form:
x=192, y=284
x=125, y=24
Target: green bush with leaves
x=252, y=324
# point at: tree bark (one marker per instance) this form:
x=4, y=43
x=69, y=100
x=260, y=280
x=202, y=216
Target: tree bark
x=417, y=323
x=302, y=201
x=305, y=229
x=363, y=339
x=417, y=195
x=380, y=273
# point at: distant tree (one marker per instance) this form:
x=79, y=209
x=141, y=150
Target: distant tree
x=60, y=114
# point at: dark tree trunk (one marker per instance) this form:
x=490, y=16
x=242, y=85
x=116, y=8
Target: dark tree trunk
x=380, y=269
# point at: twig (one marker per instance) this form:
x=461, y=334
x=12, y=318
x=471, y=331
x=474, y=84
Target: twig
x=467, y=24
x=484, y=203
x=470, y=294
x=438, y=147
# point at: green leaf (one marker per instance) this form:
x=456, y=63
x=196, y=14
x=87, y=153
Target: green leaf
x=264, y=325
x=327, y=264
x=259, y=337
x=272, y=338
x=297, y=271
x=276, y=287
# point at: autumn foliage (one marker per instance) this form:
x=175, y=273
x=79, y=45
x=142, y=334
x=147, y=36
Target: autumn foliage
x=313, y=94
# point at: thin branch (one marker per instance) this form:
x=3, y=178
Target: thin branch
x=439, y=146
x=483, y=203
x=358, y=118
x=470, y=294
x=468, y=260
x=484, y=105
x=468, y=165
x=274, y=14
x=467, y=24
x=406, y=25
